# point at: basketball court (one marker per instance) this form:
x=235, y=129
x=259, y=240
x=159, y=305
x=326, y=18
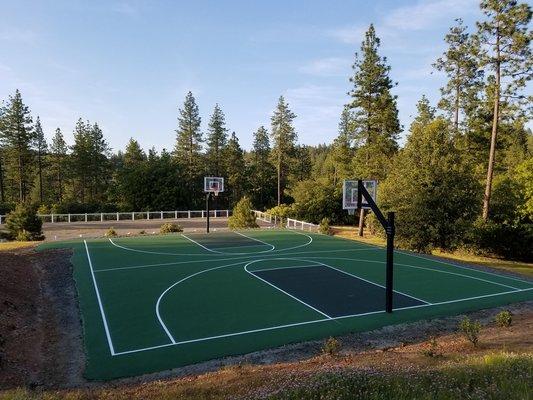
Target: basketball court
x=157, y=302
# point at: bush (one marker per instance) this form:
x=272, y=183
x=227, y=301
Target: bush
x=512, y=241
x=470, y=330
x=170, y=227
x=23, y=224
x=243, y=215
x=432, y=349
x=111, y=232
x=504, y=319
x=43, y=209
x=324, y=226
x=283, y=211
x=331, y=346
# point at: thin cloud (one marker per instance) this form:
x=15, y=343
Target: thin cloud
x=427, y=14
x=330, y=66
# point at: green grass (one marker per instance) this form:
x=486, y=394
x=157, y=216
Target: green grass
x=211, y=307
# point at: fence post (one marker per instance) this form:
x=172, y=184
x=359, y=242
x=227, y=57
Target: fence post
x=203, y=213
x=189, y=214
x=148, y=215
x=85, y=217
x=161, y=214
x=101, y=217
x=133, y=216
x=69, y=218
x=175, y=214
x=117, y=216
x=0, y=220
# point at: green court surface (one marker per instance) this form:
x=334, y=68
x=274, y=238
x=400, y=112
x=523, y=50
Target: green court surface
x=158, y=302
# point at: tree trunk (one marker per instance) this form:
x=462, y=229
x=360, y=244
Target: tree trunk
x=494, y=135
x=40, y=178
x=456, y=111
x=361, y=221
x=21, y=172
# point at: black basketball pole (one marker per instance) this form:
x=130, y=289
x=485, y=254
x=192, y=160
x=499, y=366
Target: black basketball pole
x=207, y=196
x=388, y=225
x=390, y=263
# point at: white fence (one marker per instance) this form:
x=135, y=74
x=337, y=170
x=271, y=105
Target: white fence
x=301, y=225
x=289, y=223
x=127, y=216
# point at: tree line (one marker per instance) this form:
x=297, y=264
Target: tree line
x=465, y=172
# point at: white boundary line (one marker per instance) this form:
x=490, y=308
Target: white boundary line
x=423, y=268
x=283, y=291
x=460, y=266
x=257, y=240
x=311, y=322
x=160, y=319
x=108, y=335
x=217, y=260
x=201, y=245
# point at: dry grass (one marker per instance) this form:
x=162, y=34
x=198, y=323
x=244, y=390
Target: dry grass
x=462, y=256
x=8, y=246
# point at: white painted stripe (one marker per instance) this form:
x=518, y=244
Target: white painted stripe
x=288, y=294
x=257, y=240
x=201, y=245
x=436, y=259
x=104, y=320
x=160, y=319
x=313, y=322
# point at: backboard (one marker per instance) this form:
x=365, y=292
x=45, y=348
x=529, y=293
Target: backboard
x=350, y=191
x=213, y=184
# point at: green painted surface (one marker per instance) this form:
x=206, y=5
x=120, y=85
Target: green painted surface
x=210, y=306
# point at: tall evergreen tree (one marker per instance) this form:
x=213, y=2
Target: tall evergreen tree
x=460, y=63
x=2, y=161
x=81, y=162
x=235, y=169
x=375, y=116
x=428, y=169
x=187, y=150
x=17, y=139
x=99, y=155
x=505, y=34
x=338, y=159
x=284, y=138
x=217, y=138
x=263, y=173
x=58, y=160
x=41, y=148
x=134, y=154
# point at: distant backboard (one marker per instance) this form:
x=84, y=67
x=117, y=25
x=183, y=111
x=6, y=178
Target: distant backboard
x=350, y=191
x=213, y=184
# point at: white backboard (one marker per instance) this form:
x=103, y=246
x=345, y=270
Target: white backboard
x=213, y=184
x=350, y=191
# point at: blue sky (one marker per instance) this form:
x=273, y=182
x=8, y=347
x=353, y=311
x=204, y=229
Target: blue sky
x=128, y=64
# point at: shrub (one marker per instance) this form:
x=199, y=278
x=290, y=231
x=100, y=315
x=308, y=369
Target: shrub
x=23, y=223
x=514, y=241
x=283, y=211
x=43, y=209
x=111, y=232
x=470, y=330
x=504, y=319
x=331, y=346
x=170, y=227
x=324, y=226
x=432, y=349
x=243, y=215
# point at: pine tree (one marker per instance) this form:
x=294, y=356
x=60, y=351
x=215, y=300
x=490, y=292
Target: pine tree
x=81, y=163
x=460, y=63
x=301, y=165
x=428, y=169
x=99, y=155
x=262, y=172
x=58, y=160
x=2, y=161
x=506, y=35
x=338, y=160
x=375, y=116
x=41, y=147
x=17, y=139
x=217, y=138
x=235, y=169
x=187, y=150
x=134, y=154
x=284, y=137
